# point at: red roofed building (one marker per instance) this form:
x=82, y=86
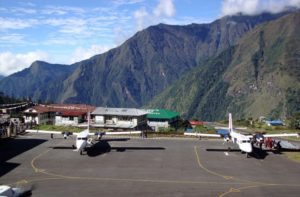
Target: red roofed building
x=58, y=114
x=195, y=123
x=71, y=114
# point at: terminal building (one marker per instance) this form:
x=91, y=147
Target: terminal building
x=101, y=117
x=119, y=118
x=162, y=118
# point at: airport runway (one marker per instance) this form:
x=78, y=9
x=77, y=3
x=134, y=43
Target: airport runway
x=144, y=167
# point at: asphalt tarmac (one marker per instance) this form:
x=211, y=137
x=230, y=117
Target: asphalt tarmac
x=144, y=167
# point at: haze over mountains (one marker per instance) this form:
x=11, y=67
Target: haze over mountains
x=248, y=65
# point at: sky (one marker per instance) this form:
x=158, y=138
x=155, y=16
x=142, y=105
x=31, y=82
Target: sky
x=68, y=31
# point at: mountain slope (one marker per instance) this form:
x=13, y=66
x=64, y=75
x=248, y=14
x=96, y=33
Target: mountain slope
x=29, y=82
x=146, y=64
x=258, y=76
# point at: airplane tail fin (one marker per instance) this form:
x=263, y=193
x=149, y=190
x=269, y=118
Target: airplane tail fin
x=230, y=126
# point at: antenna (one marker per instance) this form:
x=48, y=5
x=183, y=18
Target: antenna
x=88, y=116
x=230, y=126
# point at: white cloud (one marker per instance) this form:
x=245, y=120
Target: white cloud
x=11, y=63
x=231, y=7
x=141, y=17
x=12, y=39
x=165, y=8
x=62, y=10
x=21, y=10
x=11, y=23
x=81, y=53
x=69, y=25
x=126, y=2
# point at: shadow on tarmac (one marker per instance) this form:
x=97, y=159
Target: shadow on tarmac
x=114, y=139
x=223, y=150
x=10, y=148
x=97, y=141
x=104, y=147
x=257, y=153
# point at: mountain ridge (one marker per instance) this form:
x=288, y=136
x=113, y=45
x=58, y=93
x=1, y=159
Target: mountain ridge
x=132, y=74
x=261, y=78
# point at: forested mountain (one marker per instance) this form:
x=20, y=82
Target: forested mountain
x=258, y=76
x=7, y=100
x=154, y=59
x=32, y=82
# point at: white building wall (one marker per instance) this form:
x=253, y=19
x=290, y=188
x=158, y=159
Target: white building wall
x=42, y=119
x=157, y=125
x=99, y=119
x=28, y=119
x=117, y=121
x=59, y=120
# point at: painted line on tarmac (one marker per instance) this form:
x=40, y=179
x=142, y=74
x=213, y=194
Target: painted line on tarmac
x=54, y=176
x=207, y=170
x=251, y=184
x=237, y=190
x=226, y=177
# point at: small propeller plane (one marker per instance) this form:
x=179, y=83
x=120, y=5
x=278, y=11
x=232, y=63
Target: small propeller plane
x=244, y=141
x=84, y=139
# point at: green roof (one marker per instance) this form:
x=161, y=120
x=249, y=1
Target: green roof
x=161, y=114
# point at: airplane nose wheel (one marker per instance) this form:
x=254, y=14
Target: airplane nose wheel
x=80, y=152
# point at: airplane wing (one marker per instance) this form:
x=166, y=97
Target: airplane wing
x=42, y=131
x=123, y=133
x=202, y=134
x=282, y=135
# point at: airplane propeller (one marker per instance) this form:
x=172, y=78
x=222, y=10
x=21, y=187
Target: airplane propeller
x=66, y=134
x=258, y=139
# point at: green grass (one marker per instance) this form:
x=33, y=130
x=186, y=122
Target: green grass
x=294, y=156
x=58, y=128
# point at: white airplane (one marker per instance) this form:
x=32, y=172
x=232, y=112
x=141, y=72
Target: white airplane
x=243, y=141
x=84, y=139
x=8, y=191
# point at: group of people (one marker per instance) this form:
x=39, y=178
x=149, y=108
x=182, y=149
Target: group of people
x=271, y=144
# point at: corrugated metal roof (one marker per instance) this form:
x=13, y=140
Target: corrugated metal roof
x=161, y=114
x=71, y=109
x=118, y=111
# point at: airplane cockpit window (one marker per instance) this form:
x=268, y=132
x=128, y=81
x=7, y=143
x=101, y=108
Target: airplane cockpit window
x=245, y=141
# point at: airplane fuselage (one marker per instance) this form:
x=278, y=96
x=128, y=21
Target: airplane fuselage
x=82, y=140
x=81, y=143
x=243, y=141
